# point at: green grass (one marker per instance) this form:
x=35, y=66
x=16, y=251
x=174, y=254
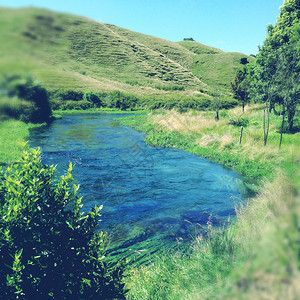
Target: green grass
x=13, y=134
x=70, y=52
x=214, y=66
x=176, y=275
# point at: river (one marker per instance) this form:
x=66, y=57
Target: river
x=152, y=198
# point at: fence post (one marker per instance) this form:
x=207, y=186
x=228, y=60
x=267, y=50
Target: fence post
x=241, y=134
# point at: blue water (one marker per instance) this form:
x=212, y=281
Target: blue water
x=151, y=196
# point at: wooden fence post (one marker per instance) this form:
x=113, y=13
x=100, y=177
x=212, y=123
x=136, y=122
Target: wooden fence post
x=241, y=134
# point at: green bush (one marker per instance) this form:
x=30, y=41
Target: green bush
x=49, y=248
x=73, y=100
x=16, y=108
x=120, y=100
x=35, y=106
x=238, y=121
x=70, y=104
x=70, y=95
x=93, y=98
x=229, y=103
x=22, y=110
x=56, y=104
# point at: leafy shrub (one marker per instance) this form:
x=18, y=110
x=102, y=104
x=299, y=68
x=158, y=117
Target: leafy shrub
x=93, y=98
x=117, y=99
x=55, y=104
x=228, y=103
x=244, y=61
x=16, y=108
x=49, y=248
x=72, y=95
x=70, y=104
x=120, y=100
x=67, y=95
x=35, y=108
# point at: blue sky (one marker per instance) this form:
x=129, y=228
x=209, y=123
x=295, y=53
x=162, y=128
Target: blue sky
x=231, y=25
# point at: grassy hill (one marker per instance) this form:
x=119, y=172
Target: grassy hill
x=214, y=66
x=71, y=52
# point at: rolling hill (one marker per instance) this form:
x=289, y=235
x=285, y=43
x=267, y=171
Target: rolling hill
x=68, y=52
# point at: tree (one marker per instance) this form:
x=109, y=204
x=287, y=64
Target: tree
x=217, y=102
x=49, y=248
x=277, y=62
x=240, y=87
x=244, y=61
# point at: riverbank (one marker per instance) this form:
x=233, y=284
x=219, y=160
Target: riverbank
x=219, y=141
x=102, y=110
x=257, y=257
x=14, y=133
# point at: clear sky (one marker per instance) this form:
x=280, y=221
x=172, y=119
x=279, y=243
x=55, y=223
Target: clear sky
x=231, y=25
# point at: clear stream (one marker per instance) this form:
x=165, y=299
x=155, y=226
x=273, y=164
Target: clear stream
x=152, y=197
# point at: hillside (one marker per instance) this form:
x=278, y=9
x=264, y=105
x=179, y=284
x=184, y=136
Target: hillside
x=71, y=52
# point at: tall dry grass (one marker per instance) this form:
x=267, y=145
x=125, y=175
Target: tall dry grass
x=187, y=122
x=223, y=136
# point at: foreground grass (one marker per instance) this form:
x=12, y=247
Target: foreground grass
x=257, y=257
